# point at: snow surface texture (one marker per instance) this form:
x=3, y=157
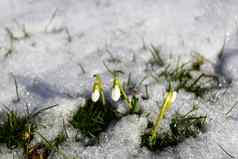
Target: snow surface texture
x=66, y=35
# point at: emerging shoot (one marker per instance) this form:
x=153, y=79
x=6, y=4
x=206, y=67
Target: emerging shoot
x=168, y=101
x=181, y=126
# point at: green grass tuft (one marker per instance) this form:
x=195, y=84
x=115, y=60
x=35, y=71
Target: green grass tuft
x=181, y=127
x=93, y=118
x=185, y=77
x=44, y=149
x=156, y=57
x=17, y=131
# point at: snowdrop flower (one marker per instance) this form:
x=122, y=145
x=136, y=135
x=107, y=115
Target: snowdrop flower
x=98, y=90
x=116, y=91
x=96, y=93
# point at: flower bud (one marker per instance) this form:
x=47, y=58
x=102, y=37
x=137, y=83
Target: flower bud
x=96, y=93
x=116, y=93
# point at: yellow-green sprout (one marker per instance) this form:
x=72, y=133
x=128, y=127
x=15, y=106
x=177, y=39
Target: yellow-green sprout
x=168, y=101
x=98, y=90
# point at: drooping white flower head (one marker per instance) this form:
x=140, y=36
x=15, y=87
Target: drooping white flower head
x=96, y=92
x=116, y=92
x=95, y=95
x=173, y=97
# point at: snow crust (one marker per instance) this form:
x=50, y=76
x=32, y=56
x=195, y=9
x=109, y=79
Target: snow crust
x=68, y=35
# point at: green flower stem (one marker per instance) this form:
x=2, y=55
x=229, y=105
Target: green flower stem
x=125, y=97
x=154, y=129
x=102, y=97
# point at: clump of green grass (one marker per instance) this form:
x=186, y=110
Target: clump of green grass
x=182, y=126
x=17, y=131
x=44, y=149
x=38, y=151
x=187, y=76
x=92, y=118
x=156, y=57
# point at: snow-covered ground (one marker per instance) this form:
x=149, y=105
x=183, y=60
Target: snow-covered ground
x=66, y=35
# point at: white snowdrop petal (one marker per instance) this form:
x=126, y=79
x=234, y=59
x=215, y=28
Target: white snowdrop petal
x=173, y=96
x=95, y=95
x=116, y=94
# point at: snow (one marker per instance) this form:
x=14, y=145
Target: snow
x=68, y=34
